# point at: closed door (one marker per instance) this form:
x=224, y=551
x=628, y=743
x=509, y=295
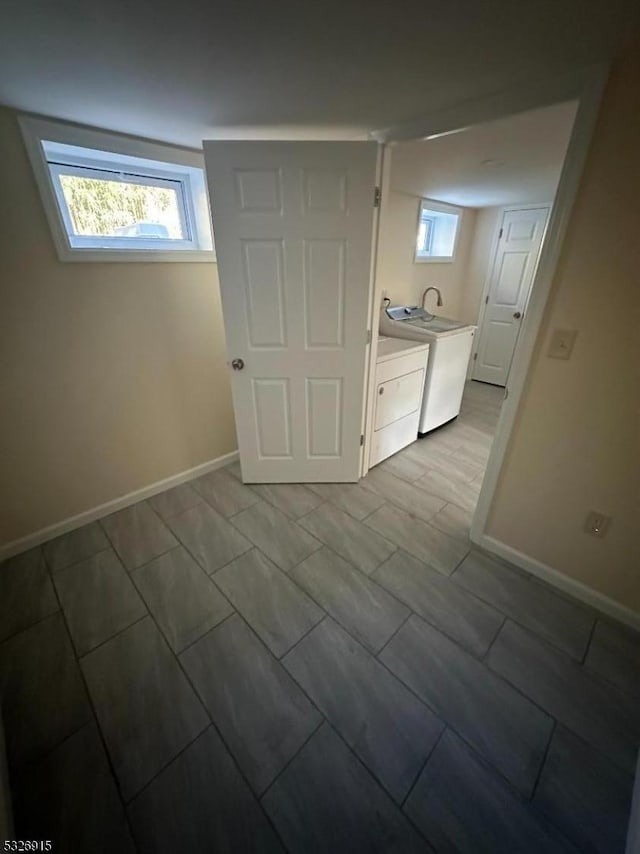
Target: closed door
x=294, y=229
x=512, y=273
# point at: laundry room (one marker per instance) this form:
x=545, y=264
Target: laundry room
x=474, y=174
x=462, y=229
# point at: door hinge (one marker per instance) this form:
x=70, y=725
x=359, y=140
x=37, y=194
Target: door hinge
x=500, y=235
x=368, y=336
x=475, y=356
x=486, y=300
x=361, y=439
x=376, y=197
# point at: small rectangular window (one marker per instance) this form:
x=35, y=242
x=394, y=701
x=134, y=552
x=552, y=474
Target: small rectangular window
x=438, y=226
x=108, y=203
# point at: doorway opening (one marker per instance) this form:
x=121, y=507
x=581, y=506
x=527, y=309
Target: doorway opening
x=496, y=182
x=309, y=253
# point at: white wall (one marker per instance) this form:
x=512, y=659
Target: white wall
x=403, y=278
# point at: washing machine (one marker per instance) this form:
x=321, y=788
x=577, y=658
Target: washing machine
x=450, y=348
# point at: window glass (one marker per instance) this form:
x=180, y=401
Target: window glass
x=437, y=233
x=106, y=206
x=109, y=197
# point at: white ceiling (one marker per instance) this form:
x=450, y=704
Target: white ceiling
x=191, y=70
x=510, y=161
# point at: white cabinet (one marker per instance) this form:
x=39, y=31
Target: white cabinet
x=400, y=373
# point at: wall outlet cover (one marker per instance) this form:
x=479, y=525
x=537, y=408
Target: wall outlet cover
x=561, y=343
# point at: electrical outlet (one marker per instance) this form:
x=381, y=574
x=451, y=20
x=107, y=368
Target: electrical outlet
x=597, y=524
x=561, y=343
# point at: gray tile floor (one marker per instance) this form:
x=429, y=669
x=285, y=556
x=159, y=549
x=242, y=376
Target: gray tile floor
x=324, y=668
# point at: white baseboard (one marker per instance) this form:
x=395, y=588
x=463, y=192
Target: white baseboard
x=563, y=582
x=73, y=522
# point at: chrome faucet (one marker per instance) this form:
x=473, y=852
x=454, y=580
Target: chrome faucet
x=424, y=296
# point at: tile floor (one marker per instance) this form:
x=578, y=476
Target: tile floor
x=323, y=668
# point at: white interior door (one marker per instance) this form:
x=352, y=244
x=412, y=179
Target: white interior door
x=512, y=273
x=294, y=229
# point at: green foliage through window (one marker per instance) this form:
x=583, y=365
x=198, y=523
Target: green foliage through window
x=107, y=207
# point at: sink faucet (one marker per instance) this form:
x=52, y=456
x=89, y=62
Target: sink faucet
x=424, y=296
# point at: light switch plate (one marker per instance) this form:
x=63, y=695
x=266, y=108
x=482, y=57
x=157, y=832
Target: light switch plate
x=561, y=343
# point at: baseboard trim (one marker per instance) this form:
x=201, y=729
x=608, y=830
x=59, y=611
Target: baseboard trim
x=563, y=582
x=56, y=530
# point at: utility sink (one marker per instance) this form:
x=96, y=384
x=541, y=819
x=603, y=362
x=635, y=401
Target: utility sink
x=410, y=321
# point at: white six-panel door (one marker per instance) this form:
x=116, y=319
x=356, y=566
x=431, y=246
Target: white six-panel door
x=510, y=280
x=294, y=229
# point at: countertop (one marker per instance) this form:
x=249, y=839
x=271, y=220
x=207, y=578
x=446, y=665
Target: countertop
x=389, y=348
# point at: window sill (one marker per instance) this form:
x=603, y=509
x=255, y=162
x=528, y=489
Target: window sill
x=436, y=259
x=136, y=256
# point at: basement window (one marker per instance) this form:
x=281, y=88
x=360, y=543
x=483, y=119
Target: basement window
x=438, y=226
x=110, y=198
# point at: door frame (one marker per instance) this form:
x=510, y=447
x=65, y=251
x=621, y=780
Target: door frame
x=380, y=221
x=587, y=87
x=486, y=289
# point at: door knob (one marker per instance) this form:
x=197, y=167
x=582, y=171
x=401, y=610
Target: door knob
x=517, y=315
x=237, y=364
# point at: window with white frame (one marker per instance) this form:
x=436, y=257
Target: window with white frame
x=438, y=226
x=112, y=198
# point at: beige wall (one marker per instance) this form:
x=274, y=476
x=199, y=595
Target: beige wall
x=475, y=274
x=400, y=276
x=112, y=376
x=575, y=445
